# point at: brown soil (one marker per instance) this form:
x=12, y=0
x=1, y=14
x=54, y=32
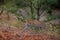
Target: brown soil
x=9, y=33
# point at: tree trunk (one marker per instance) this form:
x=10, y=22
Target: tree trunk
x=38, y=15
x=32, y=10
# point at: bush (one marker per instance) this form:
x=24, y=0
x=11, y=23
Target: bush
x=20, y=3
x=53, y=17
x=54, y=3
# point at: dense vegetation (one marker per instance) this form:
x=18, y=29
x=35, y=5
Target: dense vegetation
x=37, y=7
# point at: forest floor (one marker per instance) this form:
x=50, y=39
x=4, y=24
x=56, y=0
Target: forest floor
x=10, y=31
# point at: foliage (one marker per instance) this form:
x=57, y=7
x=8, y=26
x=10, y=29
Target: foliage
x=53, y=28
x=53, y=17
x=20, y=3
x=9, y=6
x=35, y=6
x=54, y=3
